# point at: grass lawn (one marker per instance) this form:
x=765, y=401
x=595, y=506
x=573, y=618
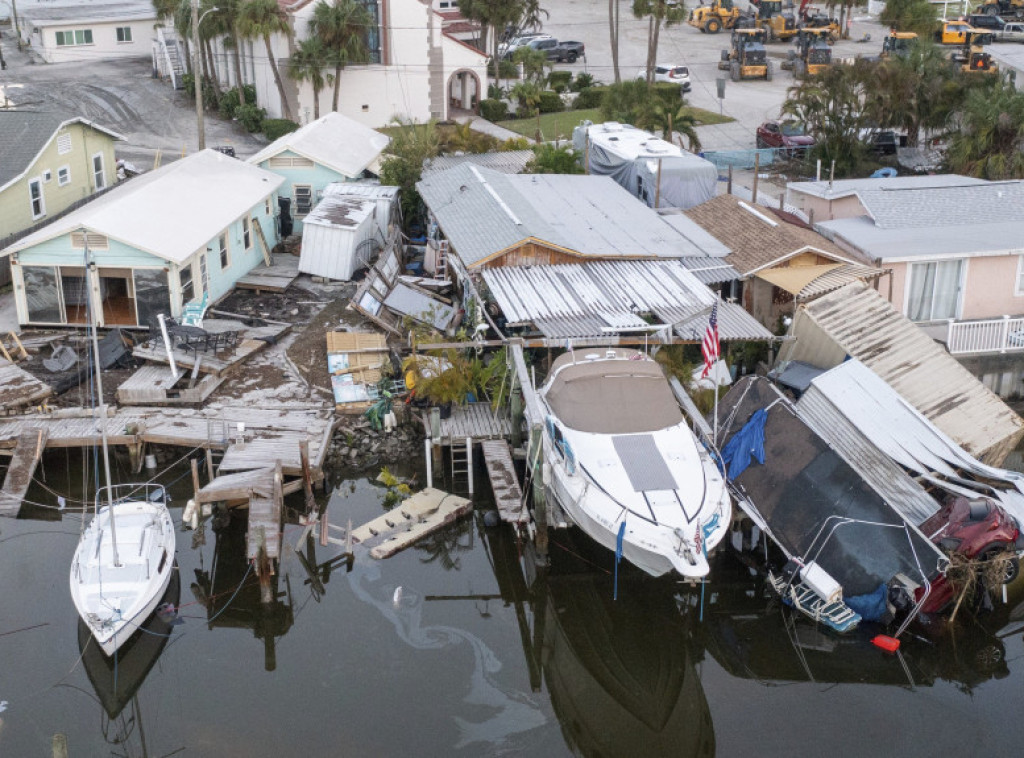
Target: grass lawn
x=560, y=125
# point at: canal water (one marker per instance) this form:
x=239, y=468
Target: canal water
x=458, y=646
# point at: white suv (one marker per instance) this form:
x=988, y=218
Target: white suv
x=506, y=49
x=672, y=74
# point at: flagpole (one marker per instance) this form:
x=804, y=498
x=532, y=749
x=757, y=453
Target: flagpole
x=714, y=382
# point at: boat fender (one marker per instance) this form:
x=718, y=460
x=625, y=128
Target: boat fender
x=886, y=643
x=191, y=514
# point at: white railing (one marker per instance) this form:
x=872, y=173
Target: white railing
x=998, y=335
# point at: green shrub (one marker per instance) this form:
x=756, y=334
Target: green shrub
x=514, y=143
x=589, y=97
x=550, y=102
x=559, y=80
x=229, y=100
x=494, y=92
x=582, y=81
x=277, y=127
x=250, y=116
x=506, y=70
x=493, y=110
x=668, y=93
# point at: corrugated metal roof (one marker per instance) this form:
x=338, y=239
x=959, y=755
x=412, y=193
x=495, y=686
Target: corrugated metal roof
x=173, y=211
x=509, y=162
x=361, y=189
x=341, y=211
x=837, y=278
x=709, y=270
x=857, y=321
x=583, y=300
x=483, y=212
x=878, y=470
x=334, y=141
x=406, y=301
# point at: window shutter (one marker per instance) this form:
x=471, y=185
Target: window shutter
x=64, y=144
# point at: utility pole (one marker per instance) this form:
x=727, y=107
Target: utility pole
x=17, y=29
x=197, y=76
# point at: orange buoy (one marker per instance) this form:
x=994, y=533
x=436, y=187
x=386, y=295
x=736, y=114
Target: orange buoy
x=888, y=644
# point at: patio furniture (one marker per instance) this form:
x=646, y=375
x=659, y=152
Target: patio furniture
x=62, y=359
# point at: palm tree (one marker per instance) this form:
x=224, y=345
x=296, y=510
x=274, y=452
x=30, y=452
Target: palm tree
x=307, y=65
x=263, y=18
x=988, y=142
x=342, y=28
x=658, y=12
x=224, y=22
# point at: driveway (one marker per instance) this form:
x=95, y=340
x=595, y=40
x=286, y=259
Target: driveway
x=749, y=102
x=121, y=95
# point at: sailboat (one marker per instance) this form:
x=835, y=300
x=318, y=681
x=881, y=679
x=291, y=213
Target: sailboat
x=626, y=468
x=125, y=557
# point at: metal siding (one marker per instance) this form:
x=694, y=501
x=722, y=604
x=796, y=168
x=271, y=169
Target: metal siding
x=883, y=475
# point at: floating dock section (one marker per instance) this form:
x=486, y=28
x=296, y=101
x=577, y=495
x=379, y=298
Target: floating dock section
x=416, y=517
x=27, y=452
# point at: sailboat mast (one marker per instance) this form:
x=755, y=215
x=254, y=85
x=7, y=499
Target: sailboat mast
x=101, y=405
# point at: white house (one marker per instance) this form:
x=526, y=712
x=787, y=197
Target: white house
x=418, y=70
x=88, y=32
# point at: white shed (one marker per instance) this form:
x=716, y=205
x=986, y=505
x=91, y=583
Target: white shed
x=386, y=198
x=340, y=236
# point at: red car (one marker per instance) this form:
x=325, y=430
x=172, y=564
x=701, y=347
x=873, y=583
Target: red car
x=787, y=135
x=975, y=528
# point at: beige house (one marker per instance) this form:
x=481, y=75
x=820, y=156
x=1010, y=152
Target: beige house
x=51, y=161
x=780, y=264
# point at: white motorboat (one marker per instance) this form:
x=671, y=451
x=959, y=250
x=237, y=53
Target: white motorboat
x=116, y=587
x=620, y=452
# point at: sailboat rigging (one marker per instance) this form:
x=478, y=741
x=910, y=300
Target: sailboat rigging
x=125, y=556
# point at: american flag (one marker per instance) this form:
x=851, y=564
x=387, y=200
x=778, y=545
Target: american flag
x=709, y=347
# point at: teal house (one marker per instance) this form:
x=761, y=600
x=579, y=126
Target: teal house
x=334, y=148
x=183, y=233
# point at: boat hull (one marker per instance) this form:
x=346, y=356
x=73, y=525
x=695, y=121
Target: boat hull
x=115, y=600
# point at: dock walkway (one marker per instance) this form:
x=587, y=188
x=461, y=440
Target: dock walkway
x=27, y=452
x=475, y=420
x=507, y=494
x=274, y=278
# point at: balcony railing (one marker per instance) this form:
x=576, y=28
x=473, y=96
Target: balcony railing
x=999, y=335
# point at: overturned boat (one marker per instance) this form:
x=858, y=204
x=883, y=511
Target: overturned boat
x=625, y=466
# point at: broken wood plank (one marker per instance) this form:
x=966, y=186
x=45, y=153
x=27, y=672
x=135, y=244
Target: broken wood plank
x=23, y=464
x=416, y=517
x=504, y=483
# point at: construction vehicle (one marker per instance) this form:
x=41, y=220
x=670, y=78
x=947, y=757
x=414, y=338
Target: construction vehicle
x=972, y=56
x=898, y=44
x=747, y=58
x=781, y=26
x=1007, y=8
x=953, y=32
x=721, y=14
x=811, y=53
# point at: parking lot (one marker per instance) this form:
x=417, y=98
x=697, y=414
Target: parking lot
x=749, y=102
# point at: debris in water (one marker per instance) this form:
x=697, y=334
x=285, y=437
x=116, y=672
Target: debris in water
x=396, y=601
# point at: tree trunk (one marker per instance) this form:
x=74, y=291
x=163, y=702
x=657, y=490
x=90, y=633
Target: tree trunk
x=337, y=87
x=214, y=77
x=613, y=34
x=316, y=104
x=238, y=69
x=286, y=110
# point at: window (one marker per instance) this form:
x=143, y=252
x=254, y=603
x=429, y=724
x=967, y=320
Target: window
x=35, y=194
x=63, y=144
x=1020, y=276
x=303, y=199
x=187, y=287
x=934, y=290
x=97, y=171
x=246, y=233
x=47, y=176
x=77, y=37
x=64, y=175
x=266, y=206
x=372, y=40
x=124, y=34
x=224, y=258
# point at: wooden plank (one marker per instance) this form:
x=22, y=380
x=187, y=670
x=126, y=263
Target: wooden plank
x=263, y=242
x=533, y=407
x=505, y=484
x=238, y=486
x=356, y=342
x=425, y=512
x=19, y=473
x=19, y=388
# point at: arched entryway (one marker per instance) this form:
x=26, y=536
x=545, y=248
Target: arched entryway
x=463, y=93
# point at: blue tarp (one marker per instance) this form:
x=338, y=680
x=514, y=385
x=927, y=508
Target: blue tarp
x=871, y=607
x=747, y=442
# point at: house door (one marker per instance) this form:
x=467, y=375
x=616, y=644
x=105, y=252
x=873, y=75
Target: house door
x=117, y=292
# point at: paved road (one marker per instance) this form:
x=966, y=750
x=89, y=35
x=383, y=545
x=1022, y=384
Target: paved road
x=749, y=102
x=123, y=96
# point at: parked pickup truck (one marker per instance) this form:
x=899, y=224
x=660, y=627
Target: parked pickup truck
x=567, y=51
x=1013, y=31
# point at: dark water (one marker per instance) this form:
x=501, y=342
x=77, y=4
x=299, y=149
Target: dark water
x=476, y=655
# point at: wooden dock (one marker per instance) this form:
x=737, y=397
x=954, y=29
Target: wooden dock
x=153, y=384
x=412, y=520
x=253, y=339
x=213, y=428
x=27, y=452
x=475, y=420
x=507, y=494
x=19, y=388
x=274, y=278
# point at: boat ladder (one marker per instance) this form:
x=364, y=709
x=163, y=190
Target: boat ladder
x=462, y=461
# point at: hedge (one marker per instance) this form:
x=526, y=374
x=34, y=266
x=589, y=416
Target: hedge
x=550, y=102
x=277, y=127
x=493, y=110
x=589, y=97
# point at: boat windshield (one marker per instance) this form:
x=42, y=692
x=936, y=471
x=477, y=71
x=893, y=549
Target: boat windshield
x=613, y=397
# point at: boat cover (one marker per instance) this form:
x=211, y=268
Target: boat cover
x=613, y=397
x=804, y=483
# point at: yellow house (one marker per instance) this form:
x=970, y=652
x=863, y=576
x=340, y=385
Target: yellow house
x=50, y=161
